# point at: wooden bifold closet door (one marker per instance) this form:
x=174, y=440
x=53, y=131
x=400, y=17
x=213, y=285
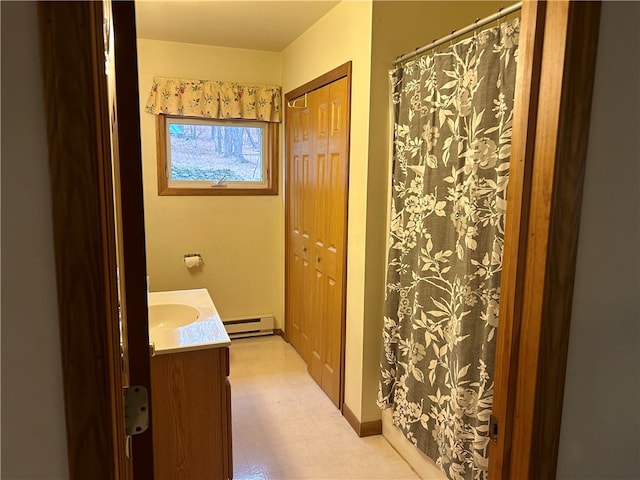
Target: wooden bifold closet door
x=316, y=198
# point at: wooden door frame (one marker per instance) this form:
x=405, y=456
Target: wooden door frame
x=546, y=180
x=331, y=76
x=79, y=137
x=550, y=136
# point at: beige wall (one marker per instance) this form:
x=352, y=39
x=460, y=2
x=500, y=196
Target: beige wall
x=34, y=443
x=342, y=35
x=240, y=238
x=600, y=432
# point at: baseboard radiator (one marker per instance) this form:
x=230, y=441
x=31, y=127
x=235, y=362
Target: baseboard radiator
x=249, y=327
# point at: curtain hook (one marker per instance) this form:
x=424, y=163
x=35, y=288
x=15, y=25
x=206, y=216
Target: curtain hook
x=451, y=40
x=415, y=53
x=475, y=29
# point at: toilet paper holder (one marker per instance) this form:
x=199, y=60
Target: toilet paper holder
x=191, y=255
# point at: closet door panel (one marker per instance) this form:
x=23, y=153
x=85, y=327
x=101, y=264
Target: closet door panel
x=299, y=169
x=300, y=147
x=321, y=203
x=297, y=293
x=320, y=126
x=334, y=227
x=335, y=217
x=293, y=227
x=336, y=177
x=331, y=339
x=335, y=182
x=319, y=177
x=303, y=252
x=317, y=305
x=304, y=183
x=332, y=260
x=320, y=148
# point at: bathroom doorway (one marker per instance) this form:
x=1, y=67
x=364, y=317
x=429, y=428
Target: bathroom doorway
x=540, y=361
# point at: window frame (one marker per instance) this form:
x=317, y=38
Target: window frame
x=270, y=163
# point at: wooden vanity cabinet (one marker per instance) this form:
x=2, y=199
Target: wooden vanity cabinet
x=191, y=415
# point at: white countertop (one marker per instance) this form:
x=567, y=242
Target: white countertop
x=207, y=331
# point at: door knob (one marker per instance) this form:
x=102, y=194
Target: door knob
x=317, y=259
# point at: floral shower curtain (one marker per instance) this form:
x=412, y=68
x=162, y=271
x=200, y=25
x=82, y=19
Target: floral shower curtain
x=452, y=137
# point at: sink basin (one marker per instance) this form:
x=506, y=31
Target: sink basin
x=184, y=320
x=172, y=315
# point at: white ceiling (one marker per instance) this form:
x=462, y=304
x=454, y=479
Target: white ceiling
x=258, y=25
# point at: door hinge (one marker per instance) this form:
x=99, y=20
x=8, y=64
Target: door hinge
x=136, y=409
x=493, y=428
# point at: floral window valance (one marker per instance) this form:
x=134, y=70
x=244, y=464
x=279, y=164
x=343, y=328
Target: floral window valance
x=213, y=99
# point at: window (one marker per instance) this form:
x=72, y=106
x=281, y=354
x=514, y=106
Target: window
x=201, y=156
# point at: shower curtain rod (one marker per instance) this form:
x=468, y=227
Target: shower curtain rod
x=456, y=33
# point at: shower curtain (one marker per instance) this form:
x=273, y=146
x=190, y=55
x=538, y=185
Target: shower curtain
x=453, y=113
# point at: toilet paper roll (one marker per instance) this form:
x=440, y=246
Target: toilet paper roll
x=192, y=261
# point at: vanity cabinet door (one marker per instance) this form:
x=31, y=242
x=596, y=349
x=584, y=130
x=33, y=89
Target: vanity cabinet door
x=191, y=415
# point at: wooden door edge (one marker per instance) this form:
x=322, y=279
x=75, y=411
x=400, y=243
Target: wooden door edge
x=75, y=94
x=563, y=229
x=133, y=250
x=566, y=86
x=514, y=254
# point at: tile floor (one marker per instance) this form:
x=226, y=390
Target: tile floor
x=284, y=427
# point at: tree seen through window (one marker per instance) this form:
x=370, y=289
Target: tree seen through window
x=215, y=152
